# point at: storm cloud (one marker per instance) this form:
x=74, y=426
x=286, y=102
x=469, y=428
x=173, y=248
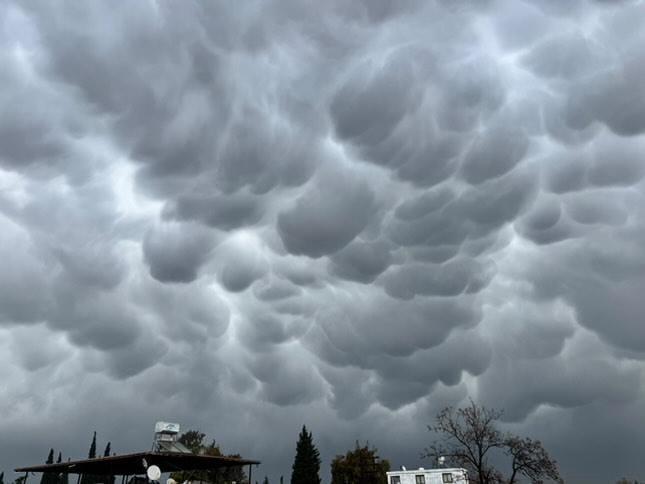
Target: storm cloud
x=246, y=217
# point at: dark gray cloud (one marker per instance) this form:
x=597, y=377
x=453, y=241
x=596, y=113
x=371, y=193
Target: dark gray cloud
x=220, y=211
x=328, y=216
x=361, y=261
x=346, y=215
x=175, y=252
x=494, y=154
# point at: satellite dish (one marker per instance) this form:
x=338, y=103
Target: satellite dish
x=441, y=460
x=403, y=468
x=170, y=480
x=154, y=473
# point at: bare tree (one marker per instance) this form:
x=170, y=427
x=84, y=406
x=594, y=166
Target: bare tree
x=469, y=438
x=469, y=434
x=530, y=459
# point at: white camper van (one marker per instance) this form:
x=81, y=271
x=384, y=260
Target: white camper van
x=428, y=476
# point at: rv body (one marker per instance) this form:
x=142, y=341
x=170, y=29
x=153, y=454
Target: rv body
x=428, y=476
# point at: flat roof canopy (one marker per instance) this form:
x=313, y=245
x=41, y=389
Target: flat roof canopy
x=133, y=464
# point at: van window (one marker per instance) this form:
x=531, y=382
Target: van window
x=420, y=479
x=395, y=480
x=446, y=477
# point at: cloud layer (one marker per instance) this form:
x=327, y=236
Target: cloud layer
x=344, y=214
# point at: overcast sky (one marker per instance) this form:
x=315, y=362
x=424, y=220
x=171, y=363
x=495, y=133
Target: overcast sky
x=246, y=216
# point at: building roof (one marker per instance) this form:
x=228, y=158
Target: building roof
x=132, y=464
x=421, y=470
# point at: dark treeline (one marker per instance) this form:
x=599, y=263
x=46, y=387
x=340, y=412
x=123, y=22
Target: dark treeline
x=466, y=437
x=63, y=478
x=195, y=441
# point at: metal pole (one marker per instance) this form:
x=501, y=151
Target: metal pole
x=250, y=473
x=78, y=479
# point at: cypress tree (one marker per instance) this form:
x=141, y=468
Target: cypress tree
x=306, y=464
x=92, y=453
x=89, y=478
x=59, y=477
x=266, y=480
x=1, y=477
x=106, y=453
x=48, y=477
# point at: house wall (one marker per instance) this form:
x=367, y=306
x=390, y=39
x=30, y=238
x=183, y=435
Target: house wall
x=431, y=476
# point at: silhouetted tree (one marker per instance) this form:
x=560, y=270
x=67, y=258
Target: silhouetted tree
x=229, y=474
x=194, y=441
x=90, y=478
x=1, y=477
x=106, y=453
x=531, y=460
x=306, y=464
x=49, y=477
x=470, y=438
x=61, y=478
x=266, y=480
x=92, y=453
x=359, y=466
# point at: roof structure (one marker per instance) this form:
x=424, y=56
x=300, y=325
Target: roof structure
x=133, y=464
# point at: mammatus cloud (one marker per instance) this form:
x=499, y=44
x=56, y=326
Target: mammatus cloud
x=350, y=214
